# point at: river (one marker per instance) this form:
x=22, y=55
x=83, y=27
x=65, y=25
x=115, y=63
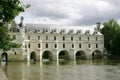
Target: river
x=64, y=70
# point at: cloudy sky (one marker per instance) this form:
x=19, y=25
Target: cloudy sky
x=70, y=12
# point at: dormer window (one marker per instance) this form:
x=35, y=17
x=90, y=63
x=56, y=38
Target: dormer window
x=62, y=31
x=71, y=31
x=87, y=32
x=79, y=32
x=54, y=31
x=46, y=31
x=95, y=32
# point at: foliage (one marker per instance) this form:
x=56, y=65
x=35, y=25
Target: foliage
x=4, y=39
x=115, y=46
x=9, y=9
x=109, y=30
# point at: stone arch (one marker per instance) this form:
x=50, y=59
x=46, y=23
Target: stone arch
x=97, y=54
x=80, y=55
x=32, y=56
x=4, y=57
x=63, y=55
x=47, y=55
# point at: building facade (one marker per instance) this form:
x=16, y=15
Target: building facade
x=54, y=42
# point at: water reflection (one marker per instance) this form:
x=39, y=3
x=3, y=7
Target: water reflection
x=64, y=70
x=4, y=65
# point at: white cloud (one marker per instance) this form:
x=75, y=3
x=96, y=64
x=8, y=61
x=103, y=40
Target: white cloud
x=104, y=6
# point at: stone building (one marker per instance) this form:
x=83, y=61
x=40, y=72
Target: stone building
x=54, y=42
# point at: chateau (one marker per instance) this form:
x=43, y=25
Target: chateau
x=54, y=42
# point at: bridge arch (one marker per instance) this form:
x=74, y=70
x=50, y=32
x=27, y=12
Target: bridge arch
x=4, y=57
x=80, y=55
x=97, y=54
x=47, y=55
x=63, y=55
x=32, y=56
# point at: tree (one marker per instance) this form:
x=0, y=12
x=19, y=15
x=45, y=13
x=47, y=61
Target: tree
x=109, y=31
x=4, y=39
x=9, y=9
x=115, y=45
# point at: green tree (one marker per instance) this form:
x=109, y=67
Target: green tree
x=9, y=9
x=109, y=31
x=115, y=45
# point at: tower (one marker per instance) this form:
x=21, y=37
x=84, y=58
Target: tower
x=22, y=36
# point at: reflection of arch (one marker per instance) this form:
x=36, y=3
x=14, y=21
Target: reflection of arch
x=4, y=57
x=80, y=55
x=47, y=55
x=33, y=56
x=97, y=54
x=64, y=55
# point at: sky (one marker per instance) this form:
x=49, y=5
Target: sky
x=70, y=12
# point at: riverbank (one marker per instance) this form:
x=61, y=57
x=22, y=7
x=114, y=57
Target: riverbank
x=3, y=75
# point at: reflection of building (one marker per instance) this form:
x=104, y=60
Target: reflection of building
x=55, y=42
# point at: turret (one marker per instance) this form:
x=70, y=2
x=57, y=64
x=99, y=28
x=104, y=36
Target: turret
x=22, y=30
x=98, y=26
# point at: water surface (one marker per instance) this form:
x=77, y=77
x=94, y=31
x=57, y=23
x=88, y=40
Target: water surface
x=64, y=70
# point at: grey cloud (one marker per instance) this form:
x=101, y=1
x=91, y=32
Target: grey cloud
x=90, y=13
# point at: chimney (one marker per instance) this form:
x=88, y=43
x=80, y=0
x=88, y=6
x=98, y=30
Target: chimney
x=98, y=26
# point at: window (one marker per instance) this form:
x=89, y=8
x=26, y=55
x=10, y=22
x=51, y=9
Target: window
x=55, y=45
x=63, y=45
x=25, y=46
x=71, y=38
x=88, y=45
x=54, y=37
x=80, y=38
x=46, y=45
x=96, y=39
x=28, y=37
x=14, y=37
x=88, y=38
x=46, y=37
x=72, y=45
x=38, y=45
x=96, y=45
x=38, y=37
x=63, y=38
x=79, y=45
x=29, y=45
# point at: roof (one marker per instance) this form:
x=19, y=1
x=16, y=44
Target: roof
x=58, y=28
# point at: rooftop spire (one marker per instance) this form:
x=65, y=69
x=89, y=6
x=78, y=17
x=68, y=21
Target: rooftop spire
x=21, y=23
